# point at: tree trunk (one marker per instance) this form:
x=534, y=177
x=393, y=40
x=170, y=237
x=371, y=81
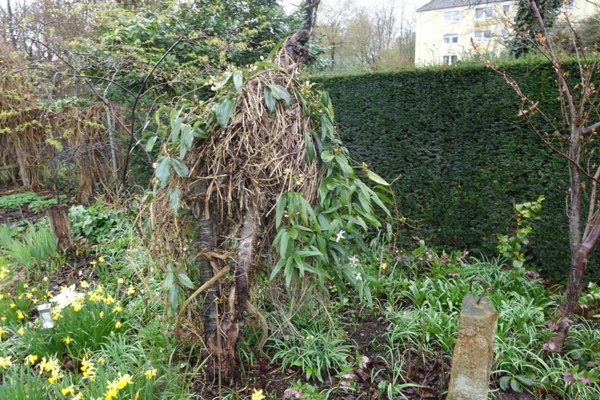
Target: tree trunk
x=222, y=348
x=571, y=300
x=60, y=226
x=23, y=169
x=205, y=239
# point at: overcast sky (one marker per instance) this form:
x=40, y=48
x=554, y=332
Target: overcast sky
x=411, y=5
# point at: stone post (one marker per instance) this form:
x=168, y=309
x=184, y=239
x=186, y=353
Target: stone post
x=474, y=350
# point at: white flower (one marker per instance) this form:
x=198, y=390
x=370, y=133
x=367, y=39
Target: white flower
x=353, y=260
x=358, y=276
x=340, y=235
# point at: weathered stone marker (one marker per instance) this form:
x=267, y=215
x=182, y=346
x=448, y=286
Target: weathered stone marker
x=474, y=350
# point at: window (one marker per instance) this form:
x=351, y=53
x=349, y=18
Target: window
x=482, y=36
x=450, y=38
x=484, y=12
x=451, y=16
x=567, y=5
x=449, y=59
x=506, y=9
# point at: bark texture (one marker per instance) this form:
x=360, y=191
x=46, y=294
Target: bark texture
x=61, y=226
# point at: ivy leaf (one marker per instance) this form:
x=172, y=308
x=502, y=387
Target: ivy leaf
x=163, y=170
x=180, y=168
x=224, y=111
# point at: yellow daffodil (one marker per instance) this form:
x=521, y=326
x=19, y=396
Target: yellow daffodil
x=101, y=360
x=1, y=331
x=45, y=279
x=12, y=305
x=5, y=362
x=118, y=324
x=67, y=340
x=67, y=390
x=120, y=281
x=84, y=285
x=101, y=259
x=384, y=266
x=21, y=331
x=20, y=314
x=124, y=380
x=151, y=373
x=257, y=395
x=117, y=309
x=93, y=263
x=131, y=290
x=31, y=359
x=78, y=396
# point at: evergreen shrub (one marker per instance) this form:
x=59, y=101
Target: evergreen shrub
x=463, y=154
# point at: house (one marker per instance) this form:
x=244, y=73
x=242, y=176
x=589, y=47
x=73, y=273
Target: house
x=445, y=27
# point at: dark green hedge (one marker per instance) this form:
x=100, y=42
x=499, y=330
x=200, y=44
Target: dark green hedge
x=463, y=154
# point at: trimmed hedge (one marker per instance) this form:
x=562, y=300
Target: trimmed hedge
x=463, y=154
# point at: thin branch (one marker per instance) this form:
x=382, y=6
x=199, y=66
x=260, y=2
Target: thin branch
x=136, y=101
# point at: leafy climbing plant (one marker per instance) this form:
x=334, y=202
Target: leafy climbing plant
x=512, y=246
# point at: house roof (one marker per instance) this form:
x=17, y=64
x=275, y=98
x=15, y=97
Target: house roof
x=441, y=4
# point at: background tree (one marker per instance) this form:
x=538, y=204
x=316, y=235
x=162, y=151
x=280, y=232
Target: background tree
x=379, y=36
x=573, y=139
x=527, y=25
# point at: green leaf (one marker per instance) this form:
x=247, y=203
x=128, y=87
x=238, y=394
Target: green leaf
x=283, y=244
x=168, y=283
x=185, y=281
x=269, y=64
x=187, y=137
x=174, y=196
x=237, y=81
x=163, y=170
x=280, y=93
x=224, y=111
x=150, y=143
x=279, y=210
x=277, y=268
x=326, y=127
x=376, y=178
x=514, y=385
x=175, y=129
x=524, y=380
x=310, y=148
x=276, y=49
x=270, y=100
x=326, y=156
x=180, y=168
x=224, y=81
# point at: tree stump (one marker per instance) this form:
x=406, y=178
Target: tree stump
x=60, y=226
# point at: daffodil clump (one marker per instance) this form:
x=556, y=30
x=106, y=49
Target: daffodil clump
x=83, y=384
x=69, y=360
